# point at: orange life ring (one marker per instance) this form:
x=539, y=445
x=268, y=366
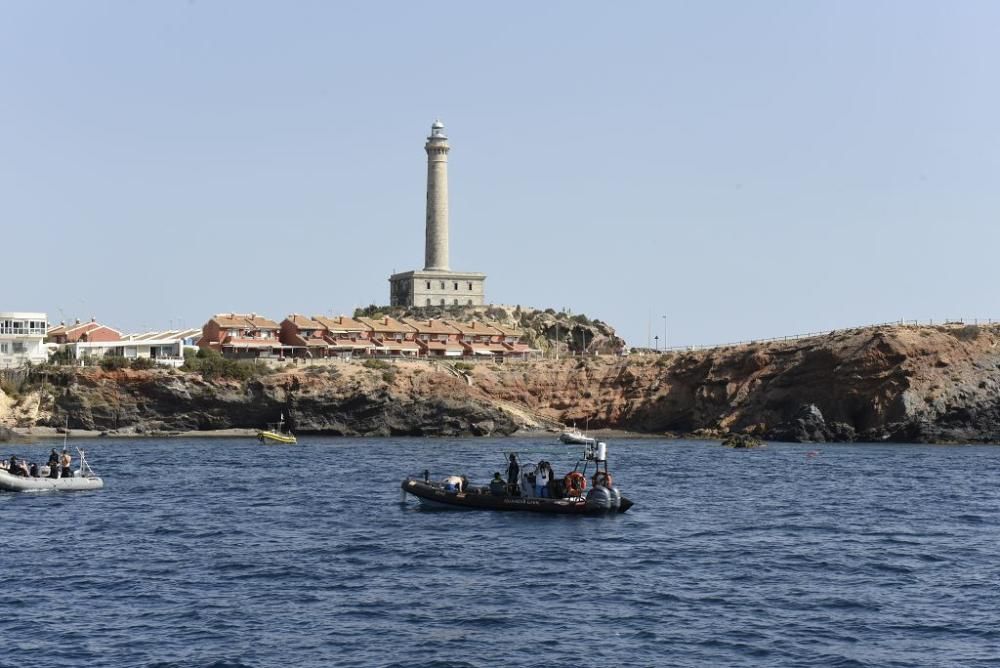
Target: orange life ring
x=575, y=483
x=602, y=478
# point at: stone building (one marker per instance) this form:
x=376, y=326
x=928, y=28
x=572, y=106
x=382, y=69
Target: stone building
x=437, y=284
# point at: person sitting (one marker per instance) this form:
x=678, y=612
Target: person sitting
x=16, y=467
x=33, y=471
x=497, y=486
x=66, y=461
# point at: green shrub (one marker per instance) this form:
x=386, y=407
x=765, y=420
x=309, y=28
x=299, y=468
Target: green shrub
x=388, y=376
x=141, y=363
x=464, y=366
x=61, y=357
x=211, y=364
x=113, y=363
x=374, y=363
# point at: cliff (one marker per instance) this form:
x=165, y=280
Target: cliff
x=897, y=383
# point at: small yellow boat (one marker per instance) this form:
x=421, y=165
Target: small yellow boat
x=276, y=433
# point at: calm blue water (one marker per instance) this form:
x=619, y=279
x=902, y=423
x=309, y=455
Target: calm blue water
x=225, y=553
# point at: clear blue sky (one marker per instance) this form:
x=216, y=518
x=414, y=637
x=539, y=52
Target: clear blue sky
x=747, y=169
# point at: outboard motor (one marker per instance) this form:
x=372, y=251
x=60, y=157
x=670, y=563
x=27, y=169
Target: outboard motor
x=599, y=498
x=616, y=498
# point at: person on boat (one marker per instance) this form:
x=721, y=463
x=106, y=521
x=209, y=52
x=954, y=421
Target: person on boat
x=513, y=471
x=33, y=471
x=497, y=486
x=53, y=458
x=542, y=476
x=16, y=468
x=67, y=464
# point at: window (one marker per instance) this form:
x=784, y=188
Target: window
x=3, y=348
x=428, y=300
x=456, y=285
x=470, y=287
x=470, y=302
x=442, y=287
x=442, y=302
x=428, y=287
x=456, y=302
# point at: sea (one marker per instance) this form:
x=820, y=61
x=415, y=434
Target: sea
x=225, y=553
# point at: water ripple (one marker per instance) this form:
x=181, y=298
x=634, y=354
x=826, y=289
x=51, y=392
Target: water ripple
x=871, y=555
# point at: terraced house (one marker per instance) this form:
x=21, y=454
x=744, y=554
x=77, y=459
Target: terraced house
x=242, y=335
x=347, y=336
x=301, y=337
x=392, y=338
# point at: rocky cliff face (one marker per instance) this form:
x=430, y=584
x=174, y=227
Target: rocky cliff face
x=900, y=383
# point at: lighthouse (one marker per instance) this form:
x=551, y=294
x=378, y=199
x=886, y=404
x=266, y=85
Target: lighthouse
x=436, y=247
x=436, y=284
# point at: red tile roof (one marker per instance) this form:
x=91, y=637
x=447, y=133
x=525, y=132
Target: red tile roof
x=303, y=322
x=431, y=326
x=387, y=325
x=342, y=324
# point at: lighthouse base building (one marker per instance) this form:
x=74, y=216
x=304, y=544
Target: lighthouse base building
x=437, y=288
x=436, y=284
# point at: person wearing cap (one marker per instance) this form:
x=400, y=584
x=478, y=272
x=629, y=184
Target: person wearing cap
x=53, y=464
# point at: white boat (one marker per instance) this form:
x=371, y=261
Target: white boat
x=576, y=437
x=82, y=479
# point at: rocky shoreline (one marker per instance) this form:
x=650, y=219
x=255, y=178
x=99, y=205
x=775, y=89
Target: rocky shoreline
x=891, y=383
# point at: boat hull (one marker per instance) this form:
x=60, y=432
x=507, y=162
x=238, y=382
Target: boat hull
x=274, y=437
x=575, y=438
x=437, y=497
x=13, y=483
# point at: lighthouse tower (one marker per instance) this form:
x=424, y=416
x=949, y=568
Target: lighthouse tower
x=436, y=249
x=437, y=284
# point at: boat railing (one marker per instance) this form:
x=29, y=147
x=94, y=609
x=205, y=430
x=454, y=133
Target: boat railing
x=85, y=470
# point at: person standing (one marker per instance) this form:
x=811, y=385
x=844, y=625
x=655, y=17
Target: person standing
x=513, y=471
x=67, y=464
x=542, y=477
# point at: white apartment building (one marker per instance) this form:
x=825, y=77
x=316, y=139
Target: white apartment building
x=22, y=339
x=166, y=348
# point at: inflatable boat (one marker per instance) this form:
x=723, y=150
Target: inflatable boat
x=83, y=478
x=529, y=488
